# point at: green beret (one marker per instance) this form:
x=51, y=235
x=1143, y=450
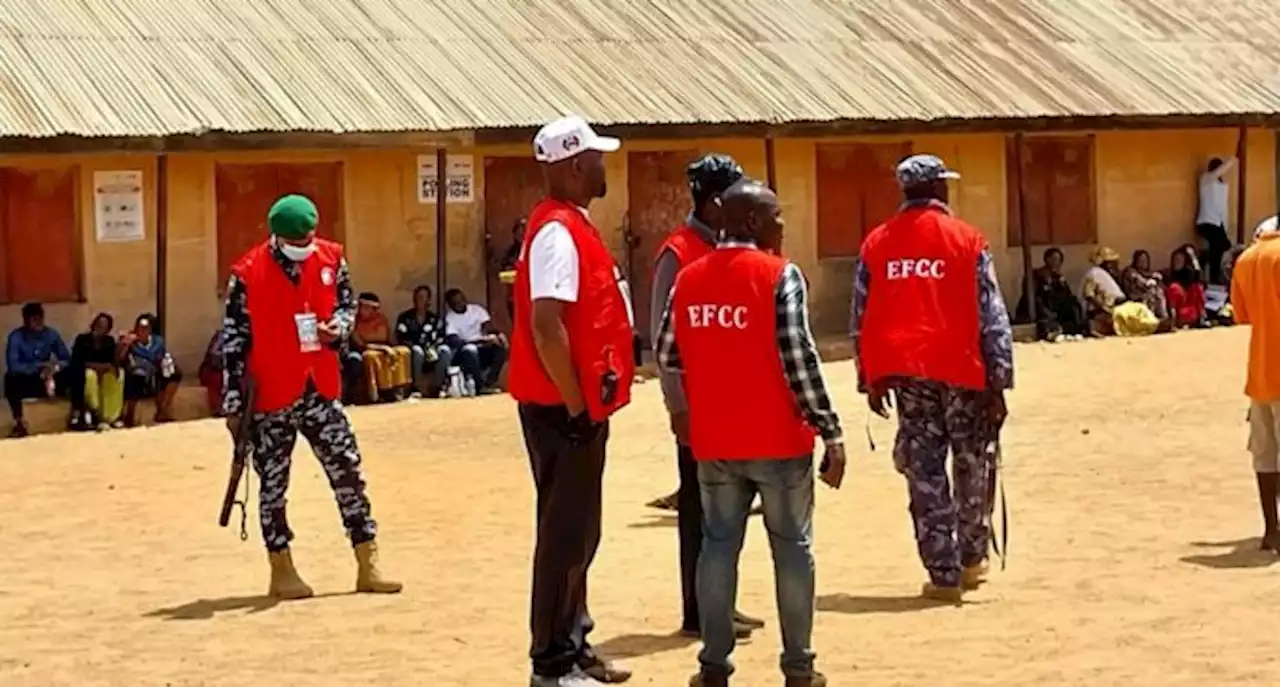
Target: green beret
x=293, y=217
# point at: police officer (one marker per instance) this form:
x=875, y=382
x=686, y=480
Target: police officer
x=571, y=368
x=737, y=329
x=930, y=325
x=289, y=305
x=709, y=177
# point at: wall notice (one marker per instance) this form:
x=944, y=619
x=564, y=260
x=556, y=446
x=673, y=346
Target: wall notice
x=117, y=206
x=459, y=179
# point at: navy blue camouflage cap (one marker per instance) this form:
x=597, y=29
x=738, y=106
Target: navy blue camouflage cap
x=712, y=175
x=919, y=170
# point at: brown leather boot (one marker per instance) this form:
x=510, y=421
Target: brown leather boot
x=368, y=578
x=815, y=680
x=285, y=582
x=974, y=576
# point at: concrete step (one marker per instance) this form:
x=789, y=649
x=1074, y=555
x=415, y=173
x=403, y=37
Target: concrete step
x=50, y=416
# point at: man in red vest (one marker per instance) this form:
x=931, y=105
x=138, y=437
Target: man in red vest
x=289, y=306
x=930, y=324
x=571, y=368
x=737, y=329
x=709, y=177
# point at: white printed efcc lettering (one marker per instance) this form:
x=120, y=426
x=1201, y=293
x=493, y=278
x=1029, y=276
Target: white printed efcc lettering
x=924, y=268
x=723, y=316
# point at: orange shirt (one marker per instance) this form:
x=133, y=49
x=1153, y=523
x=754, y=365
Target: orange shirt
x=1255, y=298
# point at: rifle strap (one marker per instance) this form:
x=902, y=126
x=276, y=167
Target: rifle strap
x=243, y=504
x=1001, y=544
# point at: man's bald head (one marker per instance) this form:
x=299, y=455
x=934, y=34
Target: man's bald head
x=752, y=213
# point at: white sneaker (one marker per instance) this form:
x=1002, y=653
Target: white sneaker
x=577, y=678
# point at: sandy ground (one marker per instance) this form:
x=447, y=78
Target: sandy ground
x=1133, y=549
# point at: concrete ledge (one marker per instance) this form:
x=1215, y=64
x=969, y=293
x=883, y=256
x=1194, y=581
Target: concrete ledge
x=50, y=416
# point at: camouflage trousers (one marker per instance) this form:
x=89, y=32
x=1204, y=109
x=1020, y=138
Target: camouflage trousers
x=325, y=426
x=953, y=528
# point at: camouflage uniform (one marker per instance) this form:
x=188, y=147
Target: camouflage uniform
x=321, y=421
x=953, y=529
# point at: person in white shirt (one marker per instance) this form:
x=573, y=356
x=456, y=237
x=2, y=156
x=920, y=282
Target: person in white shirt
x=1211, y=221
x=479, y=348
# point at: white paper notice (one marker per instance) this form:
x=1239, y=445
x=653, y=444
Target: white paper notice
x=459, y=177
x=117, y=206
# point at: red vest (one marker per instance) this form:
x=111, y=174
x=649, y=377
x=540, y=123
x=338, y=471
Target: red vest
x=921, y=318
x=686, y=244
x=725, y=316
x=276, y=362
x=599, y=327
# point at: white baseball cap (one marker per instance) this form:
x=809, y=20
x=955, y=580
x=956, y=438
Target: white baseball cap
x=568, y=136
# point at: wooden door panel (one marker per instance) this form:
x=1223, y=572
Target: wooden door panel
x=512, y=186
x=41, y=234
x=839, y=204
x=322, y=183
x=658, y=202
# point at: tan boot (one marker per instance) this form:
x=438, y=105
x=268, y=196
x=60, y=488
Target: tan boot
x=952, y=595
x=285, y=581
x=368, y=578
x=974, y=576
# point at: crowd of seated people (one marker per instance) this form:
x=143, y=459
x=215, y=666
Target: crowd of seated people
x=422, y=355
x=103, y=377
x=1134, y=300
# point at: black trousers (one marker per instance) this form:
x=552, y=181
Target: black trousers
x=567, y=474
x=689, y=500
x=22, y=386
x=1217, y=244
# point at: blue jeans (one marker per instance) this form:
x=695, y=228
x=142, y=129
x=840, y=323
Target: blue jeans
x=786, y=494
x=431, y=374
x=479, y=361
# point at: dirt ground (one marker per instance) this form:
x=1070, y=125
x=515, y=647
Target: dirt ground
x=1133, y=543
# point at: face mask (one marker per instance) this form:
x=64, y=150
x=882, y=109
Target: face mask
x=297, y=253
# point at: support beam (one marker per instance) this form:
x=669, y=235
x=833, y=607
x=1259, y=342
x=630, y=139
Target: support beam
x=162, y=242
x=442, y=228
x=1242, y=194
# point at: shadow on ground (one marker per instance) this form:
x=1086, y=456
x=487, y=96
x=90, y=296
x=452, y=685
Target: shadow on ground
x=204, y=609
x=859, y=605
x=636, y=645
x=1238, y=554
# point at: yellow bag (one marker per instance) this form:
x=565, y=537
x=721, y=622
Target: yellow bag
x=1134, y=319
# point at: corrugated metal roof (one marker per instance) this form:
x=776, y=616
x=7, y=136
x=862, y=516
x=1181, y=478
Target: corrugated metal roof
x=164, y=67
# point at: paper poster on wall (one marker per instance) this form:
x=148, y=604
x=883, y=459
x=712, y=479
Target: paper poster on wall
x=117, y=206
x=459, y=179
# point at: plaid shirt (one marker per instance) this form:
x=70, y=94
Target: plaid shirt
x=800, y=363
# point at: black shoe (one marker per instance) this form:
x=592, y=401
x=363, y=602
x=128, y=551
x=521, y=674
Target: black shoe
x=815, y=680
x=708, y=680
x=19, y=430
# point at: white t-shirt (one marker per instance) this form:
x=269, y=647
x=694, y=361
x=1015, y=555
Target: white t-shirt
x=1214, y=194
x=553, y=264
x=467, y=325
x=553, y=268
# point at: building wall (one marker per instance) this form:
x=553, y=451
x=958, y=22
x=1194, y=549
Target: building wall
x=119, y=278
x=1145, y=198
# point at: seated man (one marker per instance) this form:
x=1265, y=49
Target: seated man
x=479, y=349
x=420, y=329
x=35, y=364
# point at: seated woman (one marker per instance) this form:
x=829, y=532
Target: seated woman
x=1184, y=288
x=385, y=370
x=1057, y=312
x=420, y=329
x=1101, y=291
x=150, y=371
x=1144, y=285
x=96, y=383
x=211, y=373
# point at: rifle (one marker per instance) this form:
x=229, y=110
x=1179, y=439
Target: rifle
x=241, y=448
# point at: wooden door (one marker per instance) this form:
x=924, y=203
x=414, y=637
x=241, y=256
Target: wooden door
x=245, y=192
x=512, y=185
x=857, y=190
x=41, y=235
x=658, y=193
